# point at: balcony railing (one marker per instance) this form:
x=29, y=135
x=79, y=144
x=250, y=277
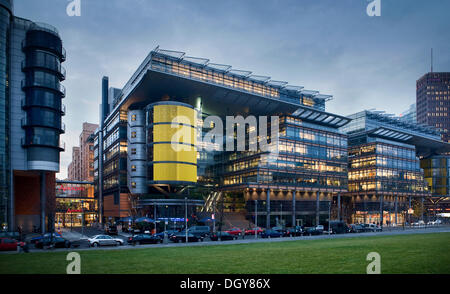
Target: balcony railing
x=59, y=87
x=59, y=69
x=36, y=141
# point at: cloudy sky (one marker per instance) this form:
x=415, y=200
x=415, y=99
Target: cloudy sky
x=326, y=45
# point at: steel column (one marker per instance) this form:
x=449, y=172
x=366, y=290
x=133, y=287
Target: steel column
x=43, y=200
x=268, y=209
x=293, y=208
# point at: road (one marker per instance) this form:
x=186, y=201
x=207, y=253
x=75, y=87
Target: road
x=249, y=239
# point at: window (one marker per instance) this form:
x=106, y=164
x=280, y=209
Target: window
x=133, y=134
x=133, y=117
x=133, y=168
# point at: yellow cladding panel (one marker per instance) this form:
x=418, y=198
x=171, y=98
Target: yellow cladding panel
x=174, y=113
x=174, y=133
x=165, y=152
x=174, y=172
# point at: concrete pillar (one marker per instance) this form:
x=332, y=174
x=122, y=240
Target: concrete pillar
x=43, y=204
x=293, y=208
x=381, y=210
x=339, y=206
x=422, y=208
x=11, y=211
x=268, y=209
x=396, y=208
x=317, y=207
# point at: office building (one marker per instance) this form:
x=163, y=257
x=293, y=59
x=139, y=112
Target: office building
x=433, y=101
x=385, y=174
x=82, y=166
x=31, y=113
x=140, y=173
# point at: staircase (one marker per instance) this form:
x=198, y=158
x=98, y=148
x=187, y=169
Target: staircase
x=236, y=219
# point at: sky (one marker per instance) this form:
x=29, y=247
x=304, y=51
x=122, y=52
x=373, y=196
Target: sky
x=326, y=45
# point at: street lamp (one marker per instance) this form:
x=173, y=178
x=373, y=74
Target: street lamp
x=185, y=218
x=256, y=219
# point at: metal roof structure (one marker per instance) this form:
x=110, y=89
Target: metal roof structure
x=288, y=93
x=181, y=56
x=321, y=117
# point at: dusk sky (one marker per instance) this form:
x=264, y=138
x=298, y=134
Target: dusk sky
x=326, y=45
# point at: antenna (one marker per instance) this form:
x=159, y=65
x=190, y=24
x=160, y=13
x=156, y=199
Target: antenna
x=431, y=59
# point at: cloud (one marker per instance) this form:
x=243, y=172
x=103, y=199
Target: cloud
x=327, y=45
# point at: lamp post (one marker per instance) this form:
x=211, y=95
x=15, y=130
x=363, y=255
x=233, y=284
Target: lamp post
x=256, y=219
x=185, y=218
x=329, y=217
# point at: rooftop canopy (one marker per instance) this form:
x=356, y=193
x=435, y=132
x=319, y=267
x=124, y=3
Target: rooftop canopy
x=262, y=86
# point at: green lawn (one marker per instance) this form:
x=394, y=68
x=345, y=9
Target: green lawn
x=422, y=253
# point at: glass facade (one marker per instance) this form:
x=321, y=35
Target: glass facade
x=384, y=171
x=437, y=174
x=44, y=92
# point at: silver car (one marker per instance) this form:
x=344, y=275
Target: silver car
x=104, y=240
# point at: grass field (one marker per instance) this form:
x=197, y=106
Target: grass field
x=421, y=253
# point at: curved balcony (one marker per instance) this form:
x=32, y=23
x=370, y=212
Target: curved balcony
x=40, y=26
x=58, y=69
x=26, y=122
x=59, y=88
x=36, y=142
x=61, y=108
x=54, y=47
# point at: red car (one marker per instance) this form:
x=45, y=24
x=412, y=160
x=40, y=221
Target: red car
x=252, y=231
x=8, y=244
x=234, y=231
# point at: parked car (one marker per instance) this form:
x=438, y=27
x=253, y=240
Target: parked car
x=234, y=231
x=280, y=230
x=355, y=228
x=252, y=231
x=271, y=234
x=293, y=232
x=372, y=228
x=338, y=227
x=9, y=244
x=56, y=242
x=46, y=235
x=199, y=231
x=312, y=231
x=320, y=228
x=169, y=233
x=181, y=237
x=111, y=230
x=104, y=240
x=224, y=236
x=144, y=239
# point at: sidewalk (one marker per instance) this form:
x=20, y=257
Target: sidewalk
x=72, y=235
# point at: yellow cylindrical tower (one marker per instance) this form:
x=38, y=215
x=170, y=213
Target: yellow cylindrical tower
x=172, y=142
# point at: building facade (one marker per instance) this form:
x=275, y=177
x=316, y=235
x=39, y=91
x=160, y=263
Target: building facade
x=137, y=172
x=385, y=174
x=433, y=101
x=31, y=96
x=82, y=166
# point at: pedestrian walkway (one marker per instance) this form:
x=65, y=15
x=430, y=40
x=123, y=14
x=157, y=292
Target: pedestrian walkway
x=72, y=235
